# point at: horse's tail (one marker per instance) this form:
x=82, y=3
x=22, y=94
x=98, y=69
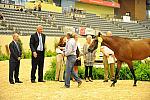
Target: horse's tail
x=148, y=41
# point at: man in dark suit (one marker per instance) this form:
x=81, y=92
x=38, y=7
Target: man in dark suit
x=37, y=45
x=15, y=57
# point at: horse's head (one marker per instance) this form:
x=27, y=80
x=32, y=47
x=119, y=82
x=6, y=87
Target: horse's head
x=94, y=44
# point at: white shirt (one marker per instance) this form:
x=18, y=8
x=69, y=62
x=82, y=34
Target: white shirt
x=40, y=46
x=71, y=47
x=107, y=50
x=59, y=51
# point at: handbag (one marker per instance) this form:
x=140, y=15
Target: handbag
x=78, y=62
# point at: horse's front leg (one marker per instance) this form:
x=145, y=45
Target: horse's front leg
x=117, y=73
x=116, y=77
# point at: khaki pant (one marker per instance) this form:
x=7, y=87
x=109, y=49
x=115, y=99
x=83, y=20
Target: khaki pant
x=106, y=69
x=59, y=67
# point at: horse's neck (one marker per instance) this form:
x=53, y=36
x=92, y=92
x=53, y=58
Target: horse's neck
x=110, y=46
x=111, y=43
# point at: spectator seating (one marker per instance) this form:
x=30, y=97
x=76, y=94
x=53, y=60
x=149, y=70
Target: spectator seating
x=136, y=29
x=26, y=23
x=145, y=23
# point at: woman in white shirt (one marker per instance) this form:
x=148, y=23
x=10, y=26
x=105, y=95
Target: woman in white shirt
x=60, y=60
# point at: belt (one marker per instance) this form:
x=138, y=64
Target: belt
x=40, y=51
x=59, y=53
x=71, y=55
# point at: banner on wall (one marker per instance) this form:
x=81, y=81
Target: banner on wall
x=102, y=2
x=79, y=30
x=89, y=31
x=82, y=31
x=68, y=29
x=86, y=31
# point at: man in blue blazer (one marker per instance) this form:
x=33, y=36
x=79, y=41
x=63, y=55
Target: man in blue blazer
x=14, y=61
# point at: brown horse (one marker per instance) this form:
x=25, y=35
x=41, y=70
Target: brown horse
x=125, y=50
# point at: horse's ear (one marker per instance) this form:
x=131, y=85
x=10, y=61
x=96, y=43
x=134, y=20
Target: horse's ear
x=99, y=34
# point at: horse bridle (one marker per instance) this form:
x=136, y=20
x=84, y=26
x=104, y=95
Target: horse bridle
x=100, y=39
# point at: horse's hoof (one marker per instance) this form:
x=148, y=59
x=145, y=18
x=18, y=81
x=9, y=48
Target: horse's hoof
x=112, y=85
x=134, y=85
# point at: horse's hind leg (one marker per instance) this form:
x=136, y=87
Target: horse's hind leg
x=133, y=73
x=117, y=73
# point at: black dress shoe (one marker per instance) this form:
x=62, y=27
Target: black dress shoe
x=90, y=79
x=33, y=81
x=66, y=86
x=12, y=82
x=18, y=82
x=41, y=81
x=105, y=81
x=112, y=79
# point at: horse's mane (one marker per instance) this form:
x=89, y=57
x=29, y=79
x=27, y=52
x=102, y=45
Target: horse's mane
x=119, y=40
x=122, y=38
